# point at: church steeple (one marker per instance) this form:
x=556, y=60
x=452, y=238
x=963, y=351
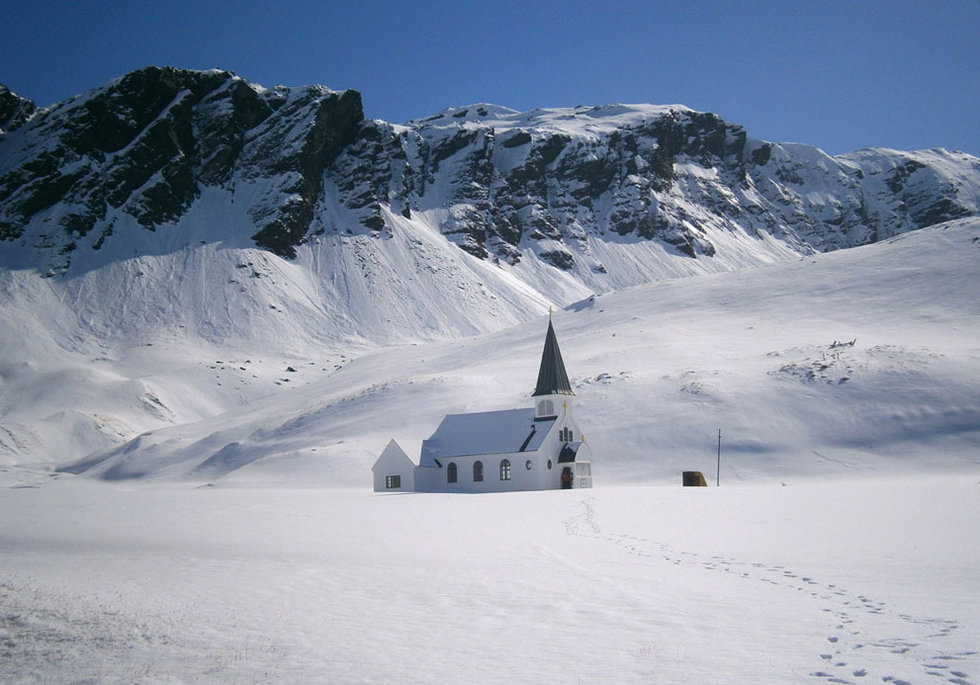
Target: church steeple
x=552, y=378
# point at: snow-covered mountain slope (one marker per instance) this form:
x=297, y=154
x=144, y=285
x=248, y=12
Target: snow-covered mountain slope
x=854, y=362
x=170, y=198
x=173, y=242
x=605, y=196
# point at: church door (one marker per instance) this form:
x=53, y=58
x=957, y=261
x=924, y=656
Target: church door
x=566, y=478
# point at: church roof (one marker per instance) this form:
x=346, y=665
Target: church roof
x=552, y=379
x=489, y=432
x=568, y=452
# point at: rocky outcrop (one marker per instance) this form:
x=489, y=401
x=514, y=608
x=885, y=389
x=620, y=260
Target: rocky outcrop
x=549, y=181
x=500, y=184
x=14, y=110
x=147, y=143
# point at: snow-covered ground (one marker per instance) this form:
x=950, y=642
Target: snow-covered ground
x=236, y=539
x=860, y=581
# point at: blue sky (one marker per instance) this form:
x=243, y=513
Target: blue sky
x=841, y=74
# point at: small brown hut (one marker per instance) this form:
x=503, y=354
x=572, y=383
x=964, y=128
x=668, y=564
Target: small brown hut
x=694, y=479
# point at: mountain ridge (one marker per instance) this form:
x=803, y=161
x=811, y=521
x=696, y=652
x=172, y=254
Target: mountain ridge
x=136, y=154
x=212, y=229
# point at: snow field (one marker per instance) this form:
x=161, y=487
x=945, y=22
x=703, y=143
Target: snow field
x=858, y=361
x=868, y=580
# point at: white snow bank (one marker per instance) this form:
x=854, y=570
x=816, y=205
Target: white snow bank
x=857, y=362
x=832, y=581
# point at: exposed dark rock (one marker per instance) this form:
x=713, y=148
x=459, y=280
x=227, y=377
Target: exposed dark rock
x=761, y=154
x=451, y=146
x=518, y=139
x=14, y=110
x=559, y=258
x=336, y=122
x=145, y=147
x=180, y=131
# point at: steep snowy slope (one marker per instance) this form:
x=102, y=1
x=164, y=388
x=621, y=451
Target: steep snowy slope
x=166, y=188
x=181, y=335
x=176, y=245
x=859, y=361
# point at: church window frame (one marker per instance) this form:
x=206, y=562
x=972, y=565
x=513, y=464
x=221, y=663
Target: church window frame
x=393, y=482
x=477, y=471
x=505, y=472
x=452, y=474
x=546, y=408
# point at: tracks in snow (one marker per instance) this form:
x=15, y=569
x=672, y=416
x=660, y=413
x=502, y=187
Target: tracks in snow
x=860, y=648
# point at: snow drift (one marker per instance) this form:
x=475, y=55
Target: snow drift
x=859, y=361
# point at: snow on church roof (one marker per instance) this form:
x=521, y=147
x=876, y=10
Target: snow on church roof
x=489, y=432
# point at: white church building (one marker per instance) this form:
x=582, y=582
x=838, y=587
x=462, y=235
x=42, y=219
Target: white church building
x=536, y=448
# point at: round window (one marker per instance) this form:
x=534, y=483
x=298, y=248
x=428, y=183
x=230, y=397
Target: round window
x=527, y=464
x=549, y=464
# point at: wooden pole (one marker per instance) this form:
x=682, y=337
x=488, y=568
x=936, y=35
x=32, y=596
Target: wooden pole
x=718, y=470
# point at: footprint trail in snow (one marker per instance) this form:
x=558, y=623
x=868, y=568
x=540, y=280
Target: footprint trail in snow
x=861, y=635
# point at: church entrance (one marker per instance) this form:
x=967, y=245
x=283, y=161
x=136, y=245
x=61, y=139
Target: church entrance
x=566, y=478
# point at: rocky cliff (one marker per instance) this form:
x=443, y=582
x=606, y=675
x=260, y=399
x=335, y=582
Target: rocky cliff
x=145, y=145
x=556, y=185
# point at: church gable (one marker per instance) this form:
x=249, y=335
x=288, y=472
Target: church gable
x=394, y=469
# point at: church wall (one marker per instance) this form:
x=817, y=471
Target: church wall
x=434, y=479
x=429, y=479
x=538, y=477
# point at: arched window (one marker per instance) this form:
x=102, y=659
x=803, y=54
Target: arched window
x=546, y=408
x=451, y=473
x=505, y=469
x=477, y=471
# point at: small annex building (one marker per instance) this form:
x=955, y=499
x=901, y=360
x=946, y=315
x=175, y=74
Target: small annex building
x=534, y=448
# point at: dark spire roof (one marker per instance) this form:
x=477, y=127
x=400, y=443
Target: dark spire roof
x=552, y=379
